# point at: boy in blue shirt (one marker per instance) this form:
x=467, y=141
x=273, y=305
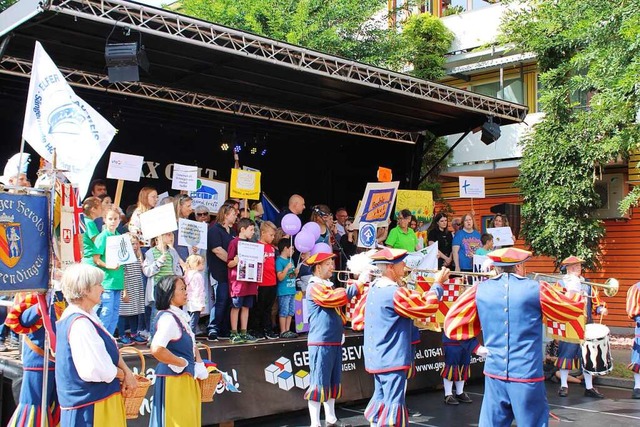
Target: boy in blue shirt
x=286, y=273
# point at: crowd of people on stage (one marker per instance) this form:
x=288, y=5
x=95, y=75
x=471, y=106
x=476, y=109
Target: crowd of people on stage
x=161, y=301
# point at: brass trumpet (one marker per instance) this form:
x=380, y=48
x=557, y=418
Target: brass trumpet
x=453, y=273
x=611, y=286
x=343, y=276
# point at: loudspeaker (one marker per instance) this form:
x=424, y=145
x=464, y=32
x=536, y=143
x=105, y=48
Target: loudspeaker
x=512, y=212
x=490, y=132
x=123, y=60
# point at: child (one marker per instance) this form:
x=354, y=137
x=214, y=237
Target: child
x=113, y=284
x=286, y=288
x=132, y=305
x=243, y=294
x=487, y=244
x=194, y=280
x=267, y=290
x=92, y=209
x=159, y=261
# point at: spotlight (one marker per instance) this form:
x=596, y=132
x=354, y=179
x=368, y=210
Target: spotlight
x=263, y=152
x=254, y=150
x=123, y=60
x=224, y=146
x=490, y=132
x=237, y=148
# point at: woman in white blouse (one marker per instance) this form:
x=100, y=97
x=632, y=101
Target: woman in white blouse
x=176, y=395
x=91, y=376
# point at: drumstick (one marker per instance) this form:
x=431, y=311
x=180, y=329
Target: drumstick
x=601, y=314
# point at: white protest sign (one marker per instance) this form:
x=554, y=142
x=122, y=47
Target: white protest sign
x=126, y=167
x=119, y=250
x=471, y=187
x=481, y=264
x=502, y=236
x=184, y=177
x=250, y=261
x=192, y=233
x=158, y=221
x=210, y=193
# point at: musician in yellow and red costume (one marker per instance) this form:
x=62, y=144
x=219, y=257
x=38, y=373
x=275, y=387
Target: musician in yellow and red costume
x=633, y=311
x=389, y=334
x=25, y=318
x=570, y=354
x=509, y=309
x=326, y=327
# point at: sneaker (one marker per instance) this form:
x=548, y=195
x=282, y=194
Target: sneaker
x=137, y=339
x=270, y=335
x=126, y=341
x=237, y=339
x=563, y=392
x=450, y=400
x=463, y=397
x=143, y=334
x=212, y=337
x=288, y=334
x=593, y=392
x=248, y=338
x=258, y=335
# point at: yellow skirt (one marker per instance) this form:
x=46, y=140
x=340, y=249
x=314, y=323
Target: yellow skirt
x=176, y=402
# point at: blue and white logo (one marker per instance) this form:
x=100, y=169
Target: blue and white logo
x=367, y=235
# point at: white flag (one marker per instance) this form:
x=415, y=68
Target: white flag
x=56, y=118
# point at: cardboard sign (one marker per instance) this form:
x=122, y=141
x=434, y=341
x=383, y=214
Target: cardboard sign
x=502, y=236
x=245, y=184
x=250, y=261
x=192, y=233
x=377, y=203
x=184, y=177
x=126, y=167
x=210, y=193
x=119, y=250
x=384, y=174
x=471, y=187
x=420, y=203
x=158, y=221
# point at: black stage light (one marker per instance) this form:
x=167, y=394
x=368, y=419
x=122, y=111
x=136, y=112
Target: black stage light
x=490, y=132
x=123, y=60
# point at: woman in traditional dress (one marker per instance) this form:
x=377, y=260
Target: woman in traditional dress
x=91, y=377
x=176, y=394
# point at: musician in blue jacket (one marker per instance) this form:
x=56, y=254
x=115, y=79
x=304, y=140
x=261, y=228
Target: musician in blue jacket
x=389, y=311
x=326, y=327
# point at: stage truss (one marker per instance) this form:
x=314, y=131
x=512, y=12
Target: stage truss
x=189, y=30
x=99, y=82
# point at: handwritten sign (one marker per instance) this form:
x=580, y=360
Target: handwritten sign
x=158, y=221
x=471, y=187
x=184, y=177
x=420, y=203
x=377, y=203
x=126, y=167
x=245, y=184
x=192, y=233
x=119, y=250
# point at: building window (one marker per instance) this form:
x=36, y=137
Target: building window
x=513, y=90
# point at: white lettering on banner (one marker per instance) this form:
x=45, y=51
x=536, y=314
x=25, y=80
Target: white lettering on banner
x=429, y=352
x=301, y=358
x=32, y=216
x=150, y=170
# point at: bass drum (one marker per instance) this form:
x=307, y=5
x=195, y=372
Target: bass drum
x=596, y=351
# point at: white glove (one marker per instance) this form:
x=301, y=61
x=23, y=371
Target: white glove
x=343, y=338
x=200, y=371
x=179, y=369
x=482, y=351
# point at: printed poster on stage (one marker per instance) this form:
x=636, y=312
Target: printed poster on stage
x=192, y=233
x=24, y=243
x=420, y=203
x=250, y=261
x=185, y=178
x=471, y=187
x=245, y=184
x=210, y=193
x=127, y=167
x=377, y=203
x=119, y=250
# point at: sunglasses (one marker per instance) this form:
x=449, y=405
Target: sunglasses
x=202, y=213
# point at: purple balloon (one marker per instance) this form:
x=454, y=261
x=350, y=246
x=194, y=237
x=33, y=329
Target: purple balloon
x=304, y=241
x=321, y=248
x=313, y=229
x=290, y=224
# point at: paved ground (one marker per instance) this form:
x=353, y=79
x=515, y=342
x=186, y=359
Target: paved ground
x=428, y=410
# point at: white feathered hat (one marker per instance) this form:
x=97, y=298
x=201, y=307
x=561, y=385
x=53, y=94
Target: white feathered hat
x=13, y=168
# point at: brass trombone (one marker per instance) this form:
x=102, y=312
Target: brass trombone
x=611, y=286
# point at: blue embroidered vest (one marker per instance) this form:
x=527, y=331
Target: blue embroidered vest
x=182, y=347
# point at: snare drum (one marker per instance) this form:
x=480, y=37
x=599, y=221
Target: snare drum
x=596, y=352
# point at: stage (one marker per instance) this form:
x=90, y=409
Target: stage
x=271, y=376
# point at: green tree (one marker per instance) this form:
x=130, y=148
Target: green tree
x=5, y=4
x=339, y=27
x=427, y=41
x=583, y=47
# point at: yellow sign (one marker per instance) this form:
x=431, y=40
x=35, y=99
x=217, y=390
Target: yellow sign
x=245, y=184
x=420, y=203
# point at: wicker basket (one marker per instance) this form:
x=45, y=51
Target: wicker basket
x=208, y=386
x=132, y=404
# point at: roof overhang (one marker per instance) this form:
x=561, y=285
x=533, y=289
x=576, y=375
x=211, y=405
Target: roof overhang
x=208, y=66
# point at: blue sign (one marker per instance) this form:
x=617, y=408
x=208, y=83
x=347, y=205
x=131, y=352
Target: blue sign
x=367, y=235
x=24, y=243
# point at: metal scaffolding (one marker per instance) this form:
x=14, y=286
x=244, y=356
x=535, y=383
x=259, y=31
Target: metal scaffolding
x=22, y=68
x=190, y=30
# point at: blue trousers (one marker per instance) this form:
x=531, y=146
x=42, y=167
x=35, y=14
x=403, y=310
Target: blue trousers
x=387, y=405
x=505, y=400
x=219, y=321
x=325, y=365
x=109, y=309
